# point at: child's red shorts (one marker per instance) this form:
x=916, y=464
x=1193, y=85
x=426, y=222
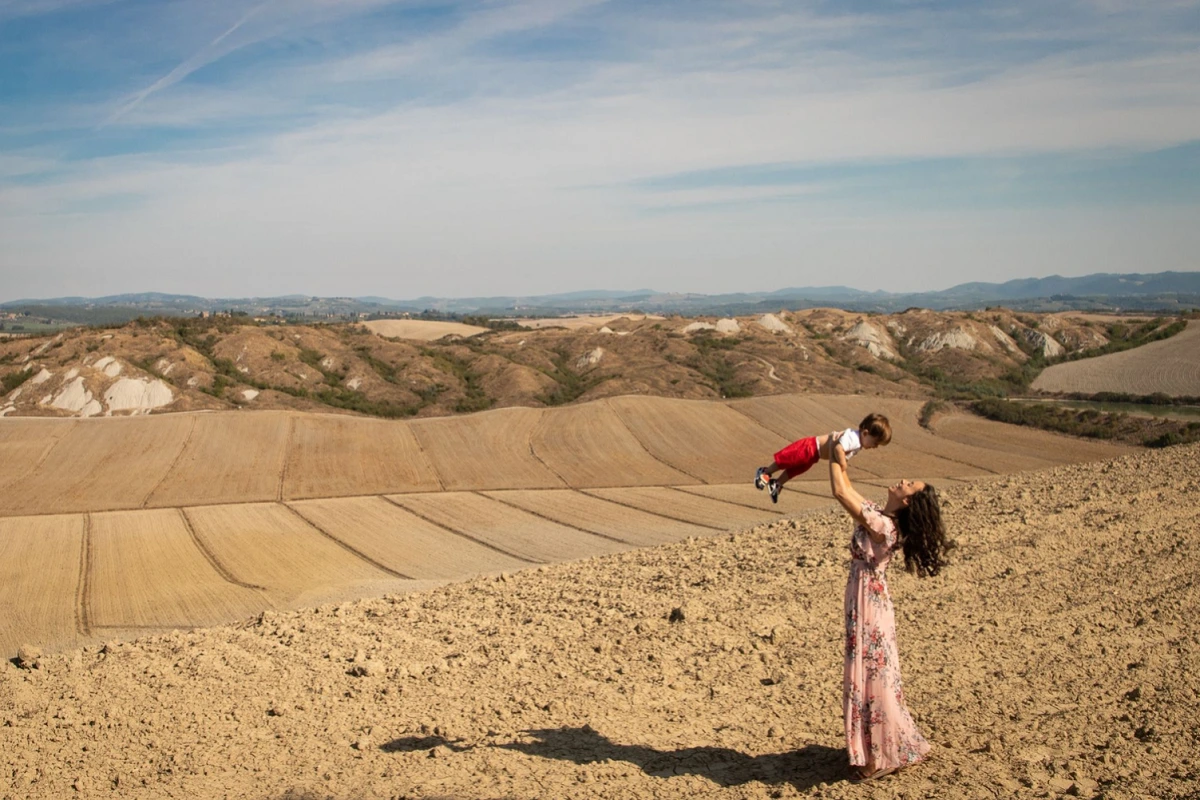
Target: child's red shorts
x=798, y=457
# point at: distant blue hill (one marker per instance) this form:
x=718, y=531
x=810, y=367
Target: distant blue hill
x=1164, y=291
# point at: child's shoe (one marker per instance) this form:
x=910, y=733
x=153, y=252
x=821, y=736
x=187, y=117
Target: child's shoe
x=774, y=486
x=760, y=478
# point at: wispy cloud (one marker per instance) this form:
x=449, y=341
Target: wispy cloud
x=402, y=141
x=206, y=55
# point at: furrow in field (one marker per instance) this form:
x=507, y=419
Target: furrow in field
x=489, y=450
x=230, y=458
x=687, y=507
x=268, y=545
x=332, y=456
x=710, y=441
x=101, y=464
x=26, y=443
x=403, y=541
x=588, y=445
x=600, y=516
x=745, y=495
x=517, y=532
x=147, y=572
x=39, y=579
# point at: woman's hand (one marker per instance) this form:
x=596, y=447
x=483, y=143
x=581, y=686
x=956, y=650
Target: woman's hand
x=839, y=483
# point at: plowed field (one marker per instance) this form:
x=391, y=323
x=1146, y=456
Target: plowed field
x=145, y=570
x=24, y=447
x=521, y=534
x=601, y=516
x=273, y=509
x=688, y=507
x=1171, y=366
x=270, y=546
x=337, y=456
x=120, y=459
x=230, y=458
x=420, y=329
x=589, y=445
x=490, y=450
x=1056, y=656
x=402, y=541
x=40, y=570
x=709, y=441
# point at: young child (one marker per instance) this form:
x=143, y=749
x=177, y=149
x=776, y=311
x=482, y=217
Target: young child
x=798, y=457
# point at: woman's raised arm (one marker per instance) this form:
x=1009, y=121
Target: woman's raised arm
x=839, y=482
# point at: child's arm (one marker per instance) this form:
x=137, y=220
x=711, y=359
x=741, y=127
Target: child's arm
x=843, y=491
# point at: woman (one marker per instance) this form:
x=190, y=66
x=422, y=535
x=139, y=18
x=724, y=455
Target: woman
x=880, y=735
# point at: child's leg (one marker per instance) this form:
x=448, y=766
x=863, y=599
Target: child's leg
x=797, y=458
x=794, y=460
x=763, y=476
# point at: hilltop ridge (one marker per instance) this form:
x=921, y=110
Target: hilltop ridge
x=165, y=365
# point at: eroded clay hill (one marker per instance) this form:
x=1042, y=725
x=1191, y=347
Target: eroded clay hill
x=118, y=526
x=182, y=365
x=1059, y=655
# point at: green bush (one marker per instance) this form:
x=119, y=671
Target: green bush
x=1094, y=424
x=571, y=384
x=14, y=379
x=928, y=411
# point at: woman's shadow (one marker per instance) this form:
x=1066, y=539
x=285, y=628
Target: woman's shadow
x=805, y=768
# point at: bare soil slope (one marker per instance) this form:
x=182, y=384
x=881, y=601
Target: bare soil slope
x=1171, y=366
x=138, y=525
x=1058, y=655
x=213, y=458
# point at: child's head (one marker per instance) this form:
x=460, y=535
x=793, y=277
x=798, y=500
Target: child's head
x=874, y=431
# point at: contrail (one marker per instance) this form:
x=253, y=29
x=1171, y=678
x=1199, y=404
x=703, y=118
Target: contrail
x=202, y=57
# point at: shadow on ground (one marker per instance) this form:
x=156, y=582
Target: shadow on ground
x=805, y=768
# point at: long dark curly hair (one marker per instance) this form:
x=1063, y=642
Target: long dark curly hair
x=922, y=534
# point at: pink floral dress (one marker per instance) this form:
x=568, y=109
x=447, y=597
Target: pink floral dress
x=880, y=733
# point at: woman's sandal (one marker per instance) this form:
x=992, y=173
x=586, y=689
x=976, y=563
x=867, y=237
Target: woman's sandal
x=861, y=774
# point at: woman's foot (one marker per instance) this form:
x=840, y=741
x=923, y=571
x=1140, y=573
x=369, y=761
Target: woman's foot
x=868, y=774
x=774, y=486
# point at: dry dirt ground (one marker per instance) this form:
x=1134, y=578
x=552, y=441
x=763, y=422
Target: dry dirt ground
x=128, y=526
x=1171, y=366
x=1058, y=655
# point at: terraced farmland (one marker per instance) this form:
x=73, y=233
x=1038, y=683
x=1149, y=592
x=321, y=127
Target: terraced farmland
x=119, y=526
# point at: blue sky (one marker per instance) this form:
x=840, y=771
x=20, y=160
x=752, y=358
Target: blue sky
x=355, y=147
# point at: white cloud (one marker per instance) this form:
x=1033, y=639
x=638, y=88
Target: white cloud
x=529, y=165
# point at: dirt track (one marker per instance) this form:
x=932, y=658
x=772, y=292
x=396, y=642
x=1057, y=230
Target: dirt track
x=1059, y=654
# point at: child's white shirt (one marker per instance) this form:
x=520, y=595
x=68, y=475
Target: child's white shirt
x=850, y=442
